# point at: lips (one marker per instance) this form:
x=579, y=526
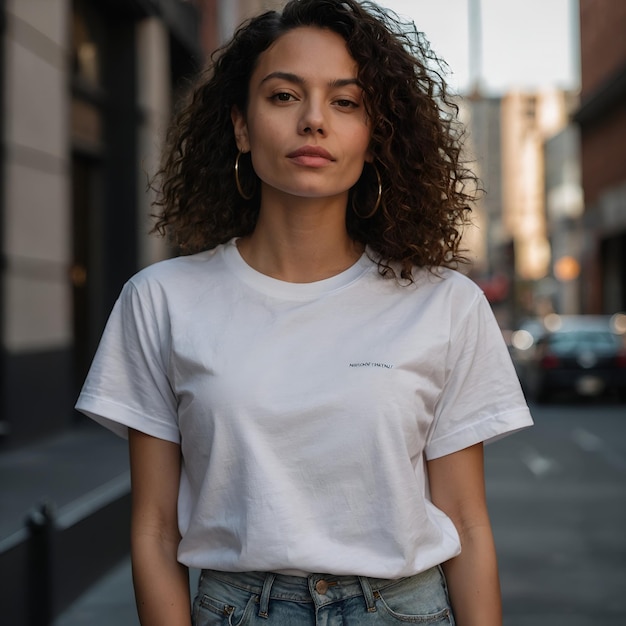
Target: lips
x=311, y=151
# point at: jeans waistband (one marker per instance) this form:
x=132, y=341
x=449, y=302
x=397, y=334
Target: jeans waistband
x=317, y=588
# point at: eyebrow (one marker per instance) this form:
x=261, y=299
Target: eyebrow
x=294, y=78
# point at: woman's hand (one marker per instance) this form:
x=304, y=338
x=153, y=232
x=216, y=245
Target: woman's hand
x=161, y=583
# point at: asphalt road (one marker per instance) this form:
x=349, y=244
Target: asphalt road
x=557, y=495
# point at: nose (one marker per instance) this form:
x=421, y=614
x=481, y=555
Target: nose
x=312, y=121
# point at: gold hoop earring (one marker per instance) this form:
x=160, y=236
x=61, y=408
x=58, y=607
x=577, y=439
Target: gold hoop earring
x=378, y=198
x=237, y=181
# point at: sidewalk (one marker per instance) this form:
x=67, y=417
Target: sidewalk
x=110, y=601
x=59, y=471
x=74, y=473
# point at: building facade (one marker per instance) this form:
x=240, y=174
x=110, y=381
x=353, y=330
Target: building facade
x=507, y=138
x=564, y=208
x=602, y=121
x=86, y=93
x=487, y=239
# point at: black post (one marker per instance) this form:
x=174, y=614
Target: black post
x=40, y=592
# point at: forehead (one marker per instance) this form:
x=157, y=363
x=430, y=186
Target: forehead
x=308, y=52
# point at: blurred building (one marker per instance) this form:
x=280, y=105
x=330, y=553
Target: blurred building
x=602, y=121
x=528, y=120
x=507, y=137
x=487, y=240
x=219, y=18
x=86, y=92
x=564, y=209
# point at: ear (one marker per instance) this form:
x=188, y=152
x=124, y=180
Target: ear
x=241, y=129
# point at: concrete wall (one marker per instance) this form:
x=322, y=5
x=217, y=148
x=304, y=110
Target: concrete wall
x=37, y=317
x=53, y=304
x=36, y=224
x=154, y=101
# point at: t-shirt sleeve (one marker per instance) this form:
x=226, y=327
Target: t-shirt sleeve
x=482, y=399
x=128, y=385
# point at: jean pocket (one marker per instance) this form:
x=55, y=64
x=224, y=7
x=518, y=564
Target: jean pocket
x=219, y=604
x=421, y=599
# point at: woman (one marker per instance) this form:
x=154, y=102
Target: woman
x=307, y=389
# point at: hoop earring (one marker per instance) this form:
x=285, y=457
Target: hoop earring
x=378, y=198
x=237, y=181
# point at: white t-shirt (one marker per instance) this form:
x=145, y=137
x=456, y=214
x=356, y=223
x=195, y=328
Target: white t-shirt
x=305, y=412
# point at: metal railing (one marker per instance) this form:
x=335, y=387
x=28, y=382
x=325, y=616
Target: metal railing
x=59, y=554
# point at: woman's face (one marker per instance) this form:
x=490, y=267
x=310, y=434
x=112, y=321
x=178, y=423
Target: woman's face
x=306, y=125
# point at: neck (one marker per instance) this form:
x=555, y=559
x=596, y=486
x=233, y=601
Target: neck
x=303, y=242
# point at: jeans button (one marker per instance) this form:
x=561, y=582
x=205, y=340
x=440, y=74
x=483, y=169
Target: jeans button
x=321, y=586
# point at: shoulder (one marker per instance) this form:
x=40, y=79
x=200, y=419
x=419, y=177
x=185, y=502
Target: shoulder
x=447, y=284
x=425, y=280
x=172, y=284
x=439, y=287
x=176, y=274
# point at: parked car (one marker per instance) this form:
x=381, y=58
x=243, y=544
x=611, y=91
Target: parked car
x=584, y=355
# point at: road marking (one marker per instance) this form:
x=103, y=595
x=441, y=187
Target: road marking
x=539, y=465
x=588, y=442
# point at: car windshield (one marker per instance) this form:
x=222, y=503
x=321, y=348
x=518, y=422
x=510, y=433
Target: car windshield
x=570, y=342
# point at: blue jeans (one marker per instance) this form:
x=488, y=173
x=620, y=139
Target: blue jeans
x=256, y=598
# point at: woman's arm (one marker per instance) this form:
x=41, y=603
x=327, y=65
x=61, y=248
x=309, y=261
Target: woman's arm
x=458, y=488
x=161, y=582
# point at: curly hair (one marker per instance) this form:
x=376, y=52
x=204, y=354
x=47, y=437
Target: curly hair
x=416, y=142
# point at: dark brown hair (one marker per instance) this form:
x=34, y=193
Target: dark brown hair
x=416, y=142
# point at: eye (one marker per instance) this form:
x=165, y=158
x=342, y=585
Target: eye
x=347, y=104
x=282, y=96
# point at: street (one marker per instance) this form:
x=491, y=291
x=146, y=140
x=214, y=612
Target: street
x=557, y=496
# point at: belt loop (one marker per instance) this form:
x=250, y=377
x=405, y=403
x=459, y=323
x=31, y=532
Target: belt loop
x=264, y=602
x=370, y=602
